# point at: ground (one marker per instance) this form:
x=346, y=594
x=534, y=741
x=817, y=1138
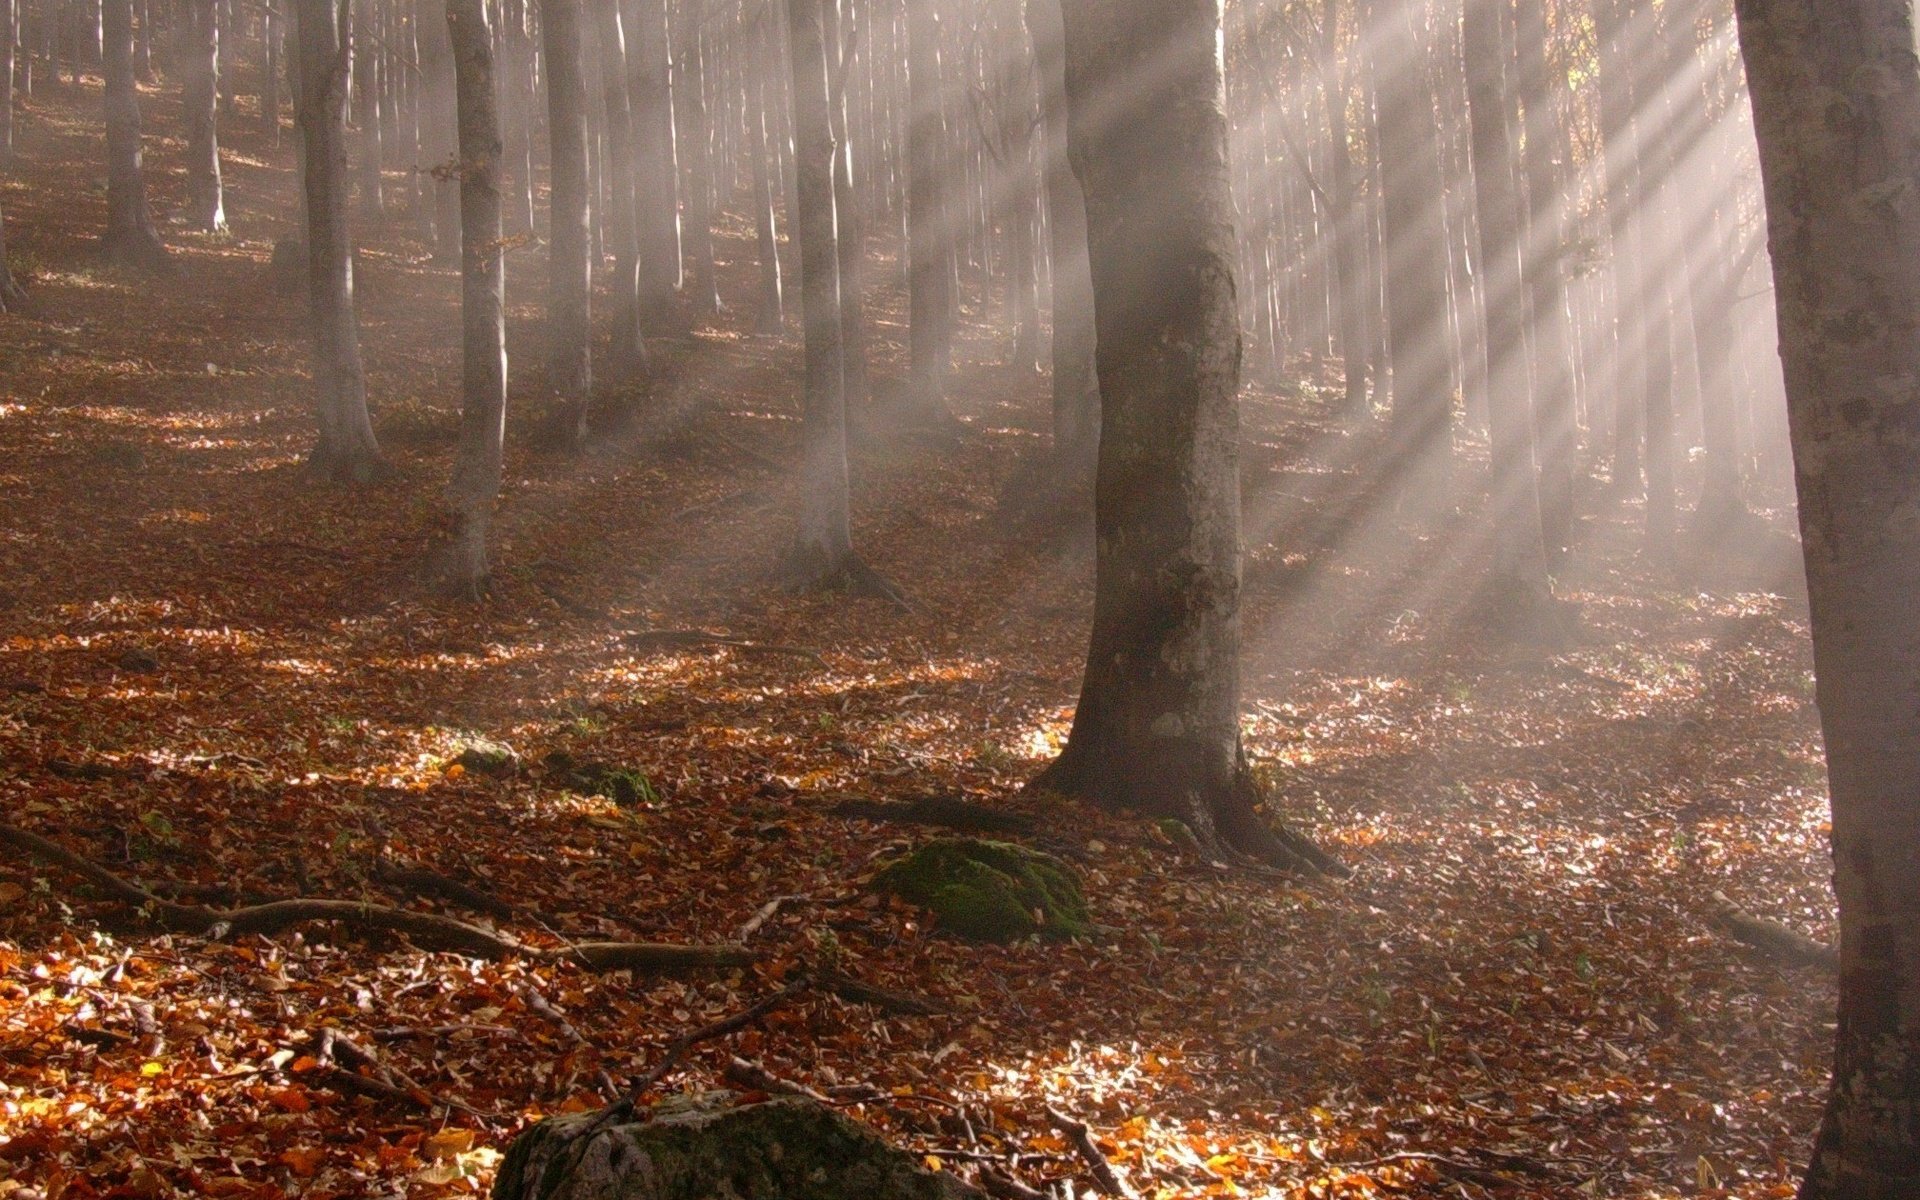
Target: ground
x=219, y=678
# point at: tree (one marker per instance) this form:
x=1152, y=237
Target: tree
x=201, y=97
x=483, y=294
x=656, y=183
x=570, y=271
x=629, y=348
x=346, y=450
x=1158, y=725
x=1836, y=103
x=129, y=239
x=929, y=228
x=10, y=293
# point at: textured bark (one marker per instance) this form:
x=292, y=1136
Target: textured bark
x=346, y=449
x=629, y=348
x=1519, y=575
x=200, y=98
x=1157, y=729
x=848, y=227
x=930, y=231
x=475, y=485
x=696, y=142
x=1836, y=101
x=130, y=239
x=570, y=277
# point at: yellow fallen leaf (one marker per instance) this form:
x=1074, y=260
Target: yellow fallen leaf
x=448, y=1143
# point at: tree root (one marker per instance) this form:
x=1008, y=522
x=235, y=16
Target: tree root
x=808, y=571
x=427, y=929
x=1772, y=938
x=948, y=812
x=1081, y=1139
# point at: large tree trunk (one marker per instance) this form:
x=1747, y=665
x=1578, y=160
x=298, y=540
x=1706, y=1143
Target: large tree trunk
x=1158, y=725
x=483, y=293
x=1836, y=102
x=570, y=272
x=1518, y=587
x=200, y=96
x=130, y=239
x=346, y=449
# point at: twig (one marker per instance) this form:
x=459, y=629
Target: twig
x=677, y=1052
x=1771, y=937
x=424, y=881
x=1081, y=1139
x=756, y=1078
x=761, y=916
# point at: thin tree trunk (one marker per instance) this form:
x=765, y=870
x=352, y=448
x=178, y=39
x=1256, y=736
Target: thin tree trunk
x=656, y=184
x=366, y=99
x=270, y=81
x=850, y=244
x=346, y=450
x=10, y=293
x=1348, y=259
x=770, y=315
x=629, y=347
x=690, y=106
x=1846, y=69
x=475, y=485
x=1076, y=386
x=201, y=101
x=570, y=272
x=930, y=230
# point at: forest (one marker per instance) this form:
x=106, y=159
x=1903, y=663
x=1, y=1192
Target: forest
x=937, y=599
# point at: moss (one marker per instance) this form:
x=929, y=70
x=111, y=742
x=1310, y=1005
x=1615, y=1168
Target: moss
x=990, y=891
x=703, y=1150
x=625, y=786
x=485, y=757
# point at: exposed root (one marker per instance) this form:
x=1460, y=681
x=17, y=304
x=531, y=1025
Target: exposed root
x=806, y=571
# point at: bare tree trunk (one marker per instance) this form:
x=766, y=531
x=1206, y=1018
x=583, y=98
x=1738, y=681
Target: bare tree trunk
x=1348, y=236
x=690, y=106
x=130, y=239
x=657, y=183
x=570, y=271
x=270, y=83
x=1849, y=306
x=1158, y=725
x=201, y=101
x=1518, y=586
x=850, y=239
x=438, y=131
x=475, y=485
x=346, y=450
x=629, y=347
x=930, y=229
x=366, y=100
x=9, y=34
x=770, y=315
x=1618, y=134
x=10, y=293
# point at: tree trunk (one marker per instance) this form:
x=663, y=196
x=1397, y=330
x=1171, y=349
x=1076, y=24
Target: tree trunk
x=200, y=96
x=130, y=239
x=1618, y=129
x=657, y=182
x=436, y=113
x=1836, y=101
x=9, y=34
x=1076, y=387
x=1158, y=725
x=475, y=485
x=850, y=241
x=1348, y=270
x=346, y=450
x=690, y=106
x=366, y=99
x=270, y=81
x=629, y=347
x=570, y=271
x=770, y=314
x=1518, y=585
x=10, y=293
x=930, y=231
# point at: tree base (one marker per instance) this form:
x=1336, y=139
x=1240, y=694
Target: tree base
x=806, y=569
x=1521, y=613
x=327, y=465
x=137, y=249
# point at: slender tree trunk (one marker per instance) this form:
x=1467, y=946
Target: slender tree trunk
x=1518, y=586
x=366, y=100
x=656, y=186
x=201, y=100
x=570, y=271
x=1158, y=725
x=10, y=293
x=129, y=239
x=770, y=315
x=850, y=242
x=930, y=230
x=696, y=142
x=475, y=485
x=346, y=450
x=270, y=82
x=441, y=141
x=9, y=34
x=1618, y=134
x=629, y=347
x=1849, y=314
x=1348, y=236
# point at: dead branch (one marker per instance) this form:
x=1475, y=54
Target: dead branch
x=1771, y=937
x=946, y=811
x=762, y=915
x=1081, y=1138
x=855, y=991
x=756, y=1078
x=677, y=1052
x=425, y=882
x=427, y=929
x=1006, y=1187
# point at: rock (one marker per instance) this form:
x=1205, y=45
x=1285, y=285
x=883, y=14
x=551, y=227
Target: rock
x=704, y=1149
x=990, y=891
x=485, y=757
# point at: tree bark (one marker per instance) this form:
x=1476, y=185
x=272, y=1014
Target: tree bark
x=200, y=96
x=570, y=271
x=346, y=450
x=690, y=106
x=130, y=239
x=629, y=347
x=1157, y=729
x=770, y=315
x=475, y=485
x=10, y=293
x=1836, y=102
x=656, y=186
x=1348, y=259
x=930, y=230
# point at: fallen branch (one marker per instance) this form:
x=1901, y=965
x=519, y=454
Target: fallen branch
x=762, y=915
x=538, y=1003
x=681, y=639
x=677, y=1052
x=425, y=882
x=945, y=811
x=1081, y=1138
x=856, y=992
x=1771, y=937
x=428, y=929
x=756, y=1078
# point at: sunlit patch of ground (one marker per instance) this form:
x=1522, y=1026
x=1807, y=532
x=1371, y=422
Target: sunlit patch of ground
x=216, y=676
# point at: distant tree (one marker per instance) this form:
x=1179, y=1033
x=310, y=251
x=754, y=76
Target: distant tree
x=629, y=349
x=1349, y=234
x=346, y=450
x=1836, y=103
x=483, y=293
x=200, y=97
x=129, y=239
x=1158, y=725
x=770, y=312
x=656, y=183
x=570, y=271
x=930, y=231
x=10, y=293
x=9, y=23
x=695, y=140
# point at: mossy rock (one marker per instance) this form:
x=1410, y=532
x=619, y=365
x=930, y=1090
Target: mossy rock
x=990, y=891
x=702, y=1149
x=628, y=787
x=485, y=757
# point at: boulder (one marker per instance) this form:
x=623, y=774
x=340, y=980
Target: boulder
x=705, y=1148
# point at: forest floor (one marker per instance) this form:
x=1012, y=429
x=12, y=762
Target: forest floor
x=218, y=678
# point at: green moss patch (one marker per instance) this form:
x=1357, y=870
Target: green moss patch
x=990, y=891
